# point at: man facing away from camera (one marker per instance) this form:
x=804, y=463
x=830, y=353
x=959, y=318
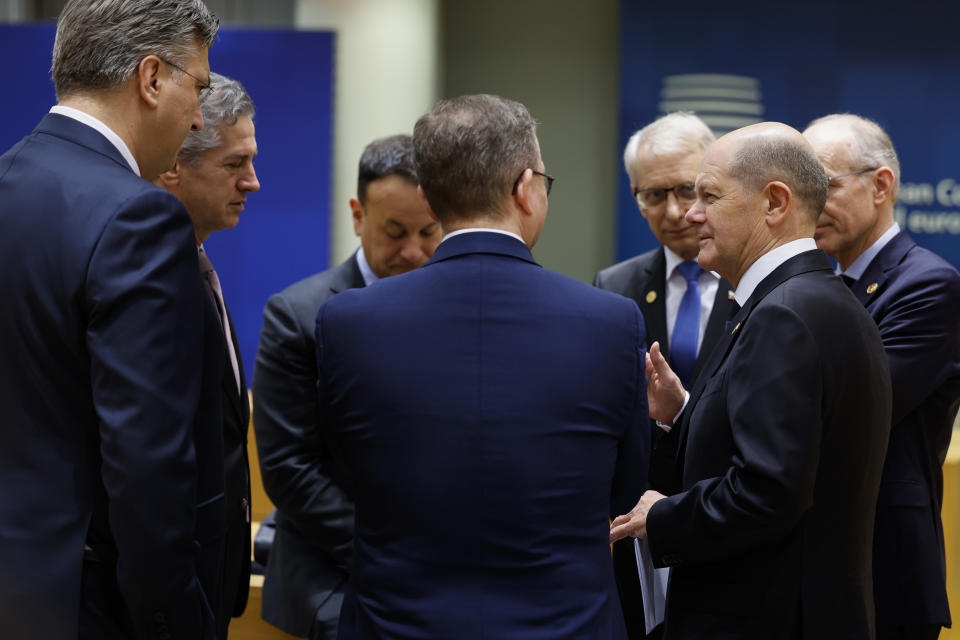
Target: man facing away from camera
x=490, y=414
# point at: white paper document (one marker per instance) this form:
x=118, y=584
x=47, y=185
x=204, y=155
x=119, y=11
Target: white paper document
x=653, y=585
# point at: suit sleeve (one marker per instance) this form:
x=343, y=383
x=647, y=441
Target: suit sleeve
x=633, y=455
x=920, y=330
x=294, y=461
x=773, y=385
x=144, y=335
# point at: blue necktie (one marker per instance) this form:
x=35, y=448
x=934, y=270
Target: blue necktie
x=686, y=330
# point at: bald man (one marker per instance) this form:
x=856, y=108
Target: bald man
x=783, y=436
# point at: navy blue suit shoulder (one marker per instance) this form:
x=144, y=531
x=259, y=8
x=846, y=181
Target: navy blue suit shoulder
x=914, y=297
x=101, y=346
x=308, y=561
x=483, y=403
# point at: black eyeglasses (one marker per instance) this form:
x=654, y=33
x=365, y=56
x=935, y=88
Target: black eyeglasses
x=649, y=198
x=203, y=89
x=830, y=179
x=547, y=179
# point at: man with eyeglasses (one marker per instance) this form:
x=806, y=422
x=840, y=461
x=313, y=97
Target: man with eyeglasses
x=684, y=307
x=111, y=513
x=490, y=414
x=914, y=297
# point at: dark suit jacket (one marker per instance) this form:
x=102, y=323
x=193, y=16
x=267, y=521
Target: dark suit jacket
x=100, y=375
x=235, y=416
x=492, y=416
x=782, y=445
x=914, y=297
x=636, y=278
x=308, y=562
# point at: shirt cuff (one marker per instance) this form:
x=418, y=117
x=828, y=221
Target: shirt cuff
x=668, y=427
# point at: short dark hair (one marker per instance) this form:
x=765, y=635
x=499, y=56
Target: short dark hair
x=390, y=156
x=469, y=151
x=99, y=44
x=761, y=160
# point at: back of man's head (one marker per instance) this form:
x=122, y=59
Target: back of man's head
x=469, y=151
x=762, y=159
x=869, y=144
x=226, y=102
x=678, y=133
x=99, y=44
x=390, y=156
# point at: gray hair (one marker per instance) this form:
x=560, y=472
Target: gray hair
x=390, y=156
x=99, y=43
x=470, y=150
x=761, y=160
x=674, y=133
x=226, y=101
x=872, y=146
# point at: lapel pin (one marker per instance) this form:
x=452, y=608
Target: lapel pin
x=735, y=329
x=651, y=297
x=730, y=295
x=871, y=287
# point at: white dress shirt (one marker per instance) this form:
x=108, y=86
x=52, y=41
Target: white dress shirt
x=676, y=286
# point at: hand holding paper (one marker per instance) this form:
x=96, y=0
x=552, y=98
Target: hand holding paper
x=634, y=524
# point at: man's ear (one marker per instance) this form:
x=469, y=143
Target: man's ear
x=356, y=209
x=426, y=203
x=169, y=179
x=524, y=191
x=779, y=199
x=149, y=80
x=883, y=182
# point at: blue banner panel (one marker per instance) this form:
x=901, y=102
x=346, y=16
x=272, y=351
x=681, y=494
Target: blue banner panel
x=737, y=63
x=283, y=234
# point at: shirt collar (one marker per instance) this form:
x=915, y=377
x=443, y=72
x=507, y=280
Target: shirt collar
x=103, y=129
x=484, y=229
x=369, y=277
x=673, y=259
x=858, y=266
x=767, y=263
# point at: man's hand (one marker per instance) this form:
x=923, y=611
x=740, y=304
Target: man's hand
x=665, y=392
x=634, y=524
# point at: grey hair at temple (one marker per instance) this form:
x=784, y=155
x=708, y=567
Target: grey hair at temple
x=762, y=160
x=99, y=43
x=674, y=133
x=226, y=101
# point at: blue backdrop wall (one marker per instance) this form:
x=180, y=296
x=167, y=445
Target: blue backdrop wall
x=736, y=63
x=283, y=233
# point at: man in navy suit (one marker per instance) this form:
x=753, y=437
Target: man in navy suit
x=661, y=160
x=310, y=556
x=914, y=297
x=783, y=436
x=212, y=177
x=111, y=517
x=490, y=413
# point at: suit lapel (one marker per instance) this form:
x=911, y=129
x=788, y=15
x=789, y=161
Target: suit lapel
x=347, y=276
x=237, y=400
x=650, y=293
x=720, y=313
x=874, y=279
x=805, y=262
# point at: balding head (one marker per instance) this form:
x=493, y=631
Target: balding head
x=774, y=152
x=758, y=188
x=865, y=177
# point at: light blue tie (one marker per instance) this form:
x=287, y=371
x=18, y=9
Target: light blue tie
x=686, y=330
